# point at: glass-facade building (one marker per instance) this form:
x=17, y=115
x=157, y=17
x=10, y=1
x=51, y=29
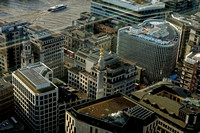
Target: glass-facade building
x=129, y=11
x=152, y=45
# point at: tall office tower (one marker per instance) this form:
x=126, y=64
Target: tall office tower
x=36, y=98
x=129, y=11
x=152, y=45
x=27, y=57
x=119, y=75
x=48, y=48
x=191, y=73
x=11, y=36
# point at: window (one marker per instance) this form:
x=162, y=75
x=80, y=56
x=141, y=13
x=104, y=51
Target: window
x=90, y=129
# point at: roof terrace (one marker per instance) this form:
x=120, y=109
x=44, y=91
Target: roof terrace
x=157, y=31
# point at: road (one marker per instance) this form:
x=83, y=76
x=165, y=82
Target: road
x=36, y=12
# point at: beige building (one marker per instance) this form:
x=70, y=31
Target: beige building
x=78, y=38
x=118, y=74
x=175, y=112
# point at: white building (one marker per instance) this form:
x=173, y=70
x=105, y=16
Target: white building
x=129, y=11
x=36, y=98
x=102, y=74
x=152, y=45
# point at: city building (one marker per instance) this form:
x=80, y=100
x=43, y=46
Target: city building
x=6, y=98
x=27, y=57
x=106, y=72
x=181, y=6
x=191, y=72
x=185, y=24
x=48, y=48
x=11, y=125
x=36, y=97
x=173, y=107
x=11, y=36
x=78, y=38
x=112, y=114
x=152, y=45
x=129, y=11
x=101, y=40
x=87, y=21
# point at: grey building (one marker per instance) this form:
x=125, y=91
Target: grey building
x=48, y=47
x=152, y=45
x=11, y=36
x=129, y=11
x=181, y=6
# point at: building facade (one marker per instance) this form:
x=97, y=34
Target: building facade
x=188, y=27
x=6, y=98
x=190, y=73
x=119, y=74
x=11, y=36
x=173, y=106
x=48, y=48
x=152, y=45
x=36, y=98
x=112, y=114
x=129, y=11
x=181, y=6
x=27, y=57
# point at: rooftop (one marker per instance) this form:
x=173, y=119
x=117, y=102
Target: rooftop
x=156, y=31
x=4, y=84
x=193, y=57
x=104, y=108
x=134, y=5
x=33, y=76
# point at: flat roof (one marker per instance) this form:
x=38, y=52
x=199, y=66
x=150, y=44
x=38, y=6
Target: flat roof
x=154, y=30
x=4, y=84
x=33, y=77
x=104, y=108
x=134, y=5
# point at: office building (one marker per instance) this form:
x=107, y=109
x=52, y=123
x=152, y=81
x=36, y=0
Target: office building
x=48, y=48
x=11, y=36
x=152, y=45
x=101, y=73
x=175, y=110
x=185, y=25
x=101, y=40
x=129, y=11
x=181, y=6
x=191, y=72
x=112, y=114
x=36, y=97
x=77, y=39
x=6, y=98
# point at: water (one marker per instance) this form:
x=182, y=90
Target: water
x=35, y=11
